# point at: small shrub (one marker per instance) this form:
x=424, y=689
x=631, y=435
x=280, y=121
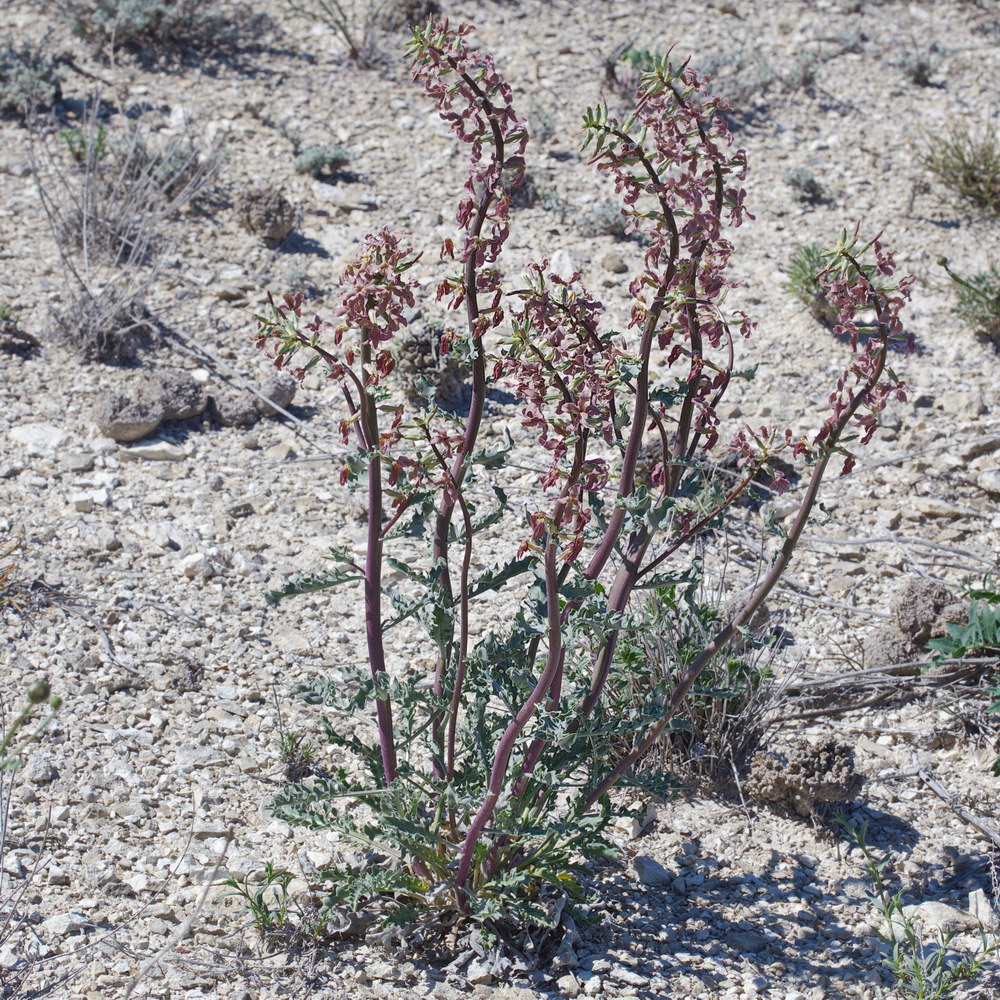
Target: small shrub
x=920, y=63
x=322, y=161
x=722, y=720
x=978, y=301
x=605, y=219
x=354, y=22
x=29, y=80
x=802, y=282
x=265, y=894
x=296, y=753
x=806, y=186
x=144, y=24
x=114, y=200
x=965, y=163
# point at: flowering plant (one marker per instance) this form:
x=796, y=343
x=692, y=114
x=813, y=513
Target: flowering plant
x=491, y=780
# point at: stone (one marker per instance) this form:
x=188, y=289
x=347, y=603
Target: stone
x=569, y=986
x=804, y=776
x=66, y=924
x=980, y=908
x=235, y=408
x=82, y=502
x=157, y=451
x=930, y=507
x=78, y=461
x=39, y=438
x=886, y=645
x=479, y=974
x=145, y=401
x=941, y=917
x=196, y=565
x=279, y=388
x=923, y=609
x=563, y=264
x=612, y=261
x=629, y=977
x=989, y=482
x=265, y=212
x=650, y=872
x=746, y=942
x=183, y=395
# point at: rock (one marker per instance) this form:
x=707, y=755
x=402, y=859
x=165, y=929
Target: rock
x=38, y=771
x=197, y=565
x=989, y=482
x=235, y=408
x=66, y=924
x=629, y=977
x=279, y=388
x=929, y=507
x=924, y=608
x=941, y=917
x=78, y=461
x=145, y=401
x=266, y=213
x=982, y=446
x=183, y=395
x=157, y=451
x=82, y=502
x=563, y=264
x=478, y=974
x=746, y=942
x=650, y=872
x=885, y=645
x=292, y=642
x=613, y=262
x=39, y=438
x=804, y=776
x=569, y=986
x=980, y=908
x=128, y=417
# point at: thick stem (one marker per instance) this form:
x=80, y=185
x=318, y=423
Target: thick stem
x=373, y=585
x=509, y=739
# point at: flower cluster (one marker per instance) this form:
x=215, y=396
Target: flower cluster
x=478, y=106
x=566, y=375
x=850, y=287
x=671, y=150
x=865, y=387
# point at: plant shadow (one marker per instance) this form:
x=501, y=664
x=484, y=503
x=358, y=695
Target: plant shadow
x=692, y=930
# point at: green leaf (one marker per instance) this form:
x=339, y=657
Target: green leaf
x=308, y=583
x=495, y=578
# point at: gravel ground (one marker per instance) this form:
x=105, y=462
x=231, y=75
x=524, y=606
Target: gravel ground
x=138, y=589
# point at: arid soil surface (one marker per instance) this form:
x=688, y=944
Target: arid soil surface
x=138, y=590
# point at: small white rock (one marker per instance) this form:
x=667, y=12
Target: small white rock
x=197, y=565
x=158, y=451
